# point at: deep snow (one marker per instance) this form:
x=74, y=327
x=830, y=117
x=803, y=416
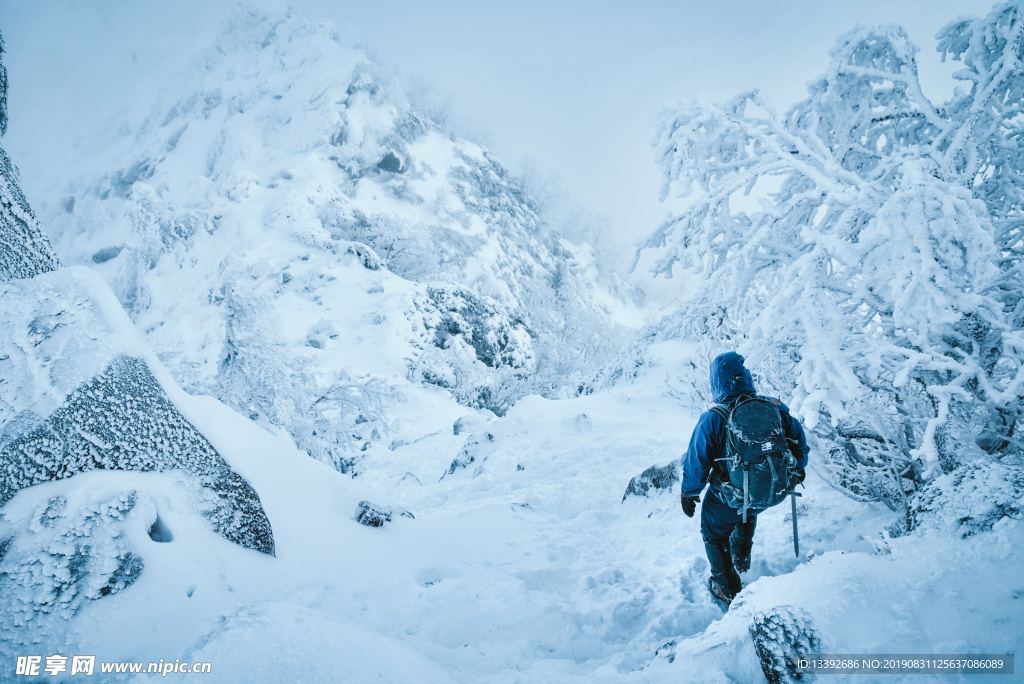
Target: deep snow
x=538, y=573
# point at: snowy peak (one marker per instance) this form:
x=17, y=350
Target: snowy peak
x=294, y=238
x=281, y=117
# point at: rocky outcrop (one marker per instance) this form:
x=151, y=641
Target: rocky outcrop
x=782, y=637
x=79, y=394
x=652, y=480
x=24, y=249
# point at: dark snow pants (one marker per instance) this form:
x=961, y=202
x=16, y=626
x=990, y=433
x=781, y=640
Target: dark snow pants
x=726, y=539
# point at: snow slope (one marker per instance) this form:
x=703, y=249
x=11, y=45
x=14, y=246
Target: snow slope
x=291, y=236
x=80, y=394
x=526, y=565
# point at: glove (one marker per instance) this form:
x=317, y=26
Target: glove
x=689, y=504
x=798, y=476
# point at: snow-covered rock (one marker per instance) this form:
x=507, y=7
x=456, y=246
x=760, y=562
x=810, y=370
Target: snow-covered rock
x=971, y=499
x=80, y=392
x=478, y=445
x=24, y=249
x=372, y=515
x=59, y=557
x=653, y=479
x=782, y=638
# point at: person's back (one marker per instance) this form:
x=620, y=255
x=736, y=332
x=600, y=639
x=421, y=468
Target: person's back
x=727, y=528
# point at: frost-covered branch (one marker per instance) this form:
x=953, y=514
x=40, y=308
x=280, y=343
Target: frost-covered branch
x=854, y=247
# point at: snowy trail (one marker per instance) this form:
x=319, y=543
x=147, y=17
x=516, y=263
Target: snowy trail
x=525, y=565
x=539, y=571
x=522, y=563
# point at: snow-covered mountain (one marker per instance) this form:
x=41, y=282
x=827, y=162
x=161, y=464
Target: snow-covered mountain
x=328, y=272
x=291, y=236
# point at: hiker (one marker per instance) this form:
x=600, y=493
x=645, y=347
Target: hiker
x=727, y=537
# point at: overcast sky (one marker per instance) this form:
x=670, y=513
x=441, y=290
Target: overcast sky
x=573, y=87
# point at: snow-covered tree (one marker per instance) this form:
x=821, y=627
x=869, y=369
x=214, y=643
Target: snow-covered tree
x=863, y=250
x=982, y=149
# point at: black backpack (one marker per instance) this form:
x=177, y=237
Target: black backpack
x=755, y=470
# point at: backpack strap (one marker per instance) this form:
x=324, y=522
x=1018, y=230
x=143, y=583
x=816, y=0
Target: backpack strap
x=717, y=468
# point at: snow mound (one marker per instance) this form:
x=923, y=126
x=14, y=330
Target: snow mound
x=79, y=394
x=60, y=557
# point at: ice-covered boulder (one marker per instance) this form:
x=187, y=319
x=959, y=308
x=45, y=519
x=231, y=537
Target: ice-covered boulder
x=24, y=249
x=80, y=392
x=782, y=637
x=653, y=479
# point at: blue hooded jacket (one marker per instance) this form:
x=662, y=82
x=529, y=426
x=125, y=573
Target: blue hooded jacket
x=729, y=379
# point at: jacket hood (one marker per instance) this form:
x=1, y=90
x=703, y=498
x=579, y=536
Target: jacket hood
x=729, y=377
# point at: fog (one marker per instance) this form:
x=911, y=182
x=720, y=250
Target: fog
x=570, y=91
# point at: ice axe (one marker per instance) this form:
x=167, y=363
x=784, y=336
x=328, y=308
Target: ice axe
x=796, y=537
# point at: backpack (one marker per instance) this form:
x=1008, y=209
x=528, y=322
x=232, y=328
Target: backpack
x=755, y=471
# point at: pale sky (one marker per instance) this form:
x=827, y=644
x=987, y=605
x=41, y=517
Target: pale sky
x=572, y=87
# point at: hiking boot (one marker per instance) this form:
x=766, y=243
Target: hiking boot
x=722, y=568
x=741, y=563
x=740, y=543
x=718, y=593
